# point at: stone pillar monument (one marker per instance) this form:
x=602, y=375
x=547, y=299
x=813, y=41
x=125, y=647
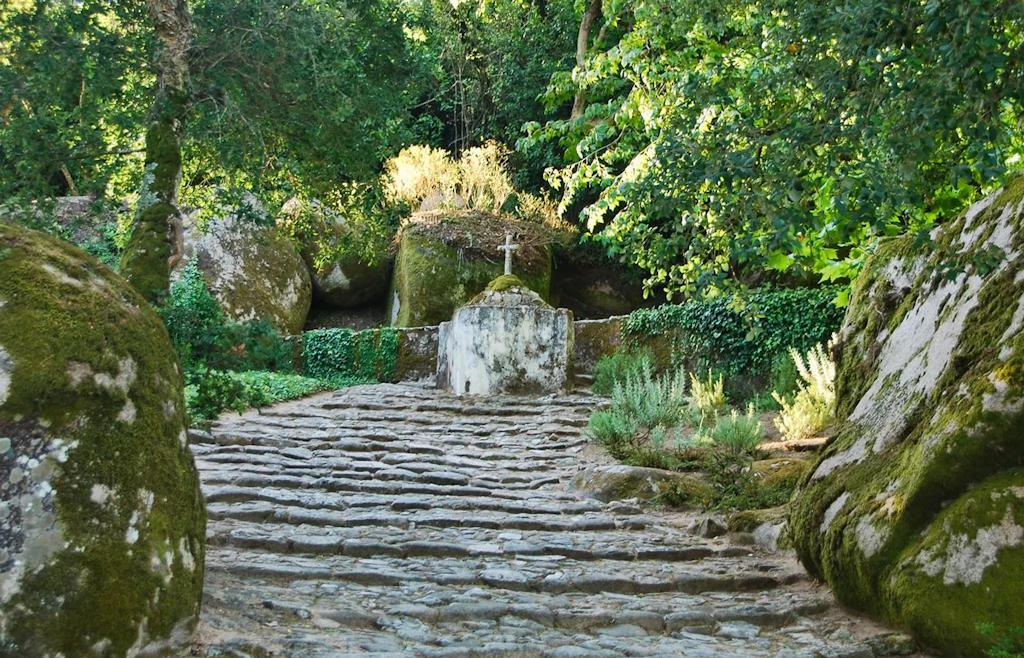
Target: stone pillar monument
x=506, y=340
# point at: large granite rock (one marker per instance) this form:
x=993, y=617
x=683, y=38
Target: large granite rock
x=445, y=258
x=589, y=284
x=253, y=272
x=915, y=511
x=506, y=340
x=102, y=524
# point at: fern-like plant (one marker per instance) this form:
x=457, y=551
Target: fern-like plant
x=813, y=405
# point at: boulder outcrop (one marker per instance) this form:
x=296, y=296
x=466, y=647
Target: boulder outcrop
x=253, y=272
x=102, y=523
x=345, y=283
x=445, y=258
x=915, y=510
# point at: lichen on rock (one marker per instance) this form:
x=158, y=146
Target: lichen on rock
x=930, y=393
x=102, y=523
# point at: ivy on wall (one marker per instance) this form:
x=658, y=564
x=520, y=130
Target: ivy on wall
x=344, y=354
x=740, y=335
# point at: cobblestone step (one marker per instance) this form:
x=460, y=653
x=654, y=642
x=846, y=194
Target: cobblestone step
x=396, y=520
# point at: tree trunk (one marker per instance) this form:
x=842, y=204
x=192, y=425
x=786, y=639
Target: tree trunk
x=156, y=236
x=592, y=14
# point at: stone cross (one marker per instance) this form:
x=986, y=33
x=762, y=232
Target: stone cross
x=508, y=248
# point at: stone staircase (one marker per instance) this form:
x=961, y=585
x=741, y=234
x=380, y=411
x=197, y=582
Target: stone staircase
x=396, y=520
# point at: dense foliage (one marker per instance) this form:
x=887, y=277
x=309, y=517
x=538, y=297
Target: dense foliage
x=367, y=356
x=711, y=145
x=722, y=139
x=745, y=333
x=204, y=337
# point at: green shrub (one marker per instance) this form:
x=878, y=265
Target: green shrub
x=210, y=393
x=707, y=399
x=614, y=368
x=643, y=407
x=1007, y=644
x=738, y=433
x=784, y=376
x=813, y=405
x=203, y=336
x=194, y=319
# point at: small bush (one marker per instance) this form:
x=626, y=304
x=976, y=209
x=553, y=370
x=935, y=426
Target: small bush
x=707, y=399
x=784, y=376
x=614, y=368
x=418, y=172
x=643, y=407
x=484, y=183
x=738, y=433
x=194, y=319
x=209, y=393
x=203, y=336
x=814, y=403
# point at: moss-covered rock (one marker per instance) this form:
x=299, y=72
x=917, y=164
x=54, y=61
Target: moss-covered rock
x=779, y=472
x=930, y=388
x=445, y=258
x=252, y=271
x=102, y=524
x=622, y=482
x=589, y=284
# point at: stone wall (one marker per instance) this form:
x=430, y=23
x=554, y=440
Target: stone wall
x=416, y=359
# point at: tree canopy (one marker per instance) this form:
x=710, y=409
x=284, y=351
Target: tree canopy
x=728, y=138
x=713, y=145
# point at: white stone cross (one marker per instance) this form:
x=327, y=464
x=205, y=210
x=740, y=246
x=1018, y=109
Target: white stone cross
x=508, y=248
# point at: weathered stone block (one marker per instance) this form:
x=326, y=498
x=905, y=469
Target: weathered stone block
x=930, y=391
x=507, y=340
x=102, y=524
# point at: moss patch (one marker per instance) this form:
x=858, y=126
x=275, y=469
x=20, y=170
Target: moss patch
x=95, y=399
x=445, y=259
x=929, y=387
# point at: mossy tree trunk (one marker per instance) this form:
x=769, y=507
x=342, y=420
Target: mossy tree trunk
x=155, y=241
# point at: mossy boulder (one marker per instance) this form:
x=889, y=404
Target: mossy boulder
x=445, y=258
x=914, y=509
x=255, y=273
x=622, y=482
x=779, y=472
x=345, y=283
x=102, y=523
x=592, y=286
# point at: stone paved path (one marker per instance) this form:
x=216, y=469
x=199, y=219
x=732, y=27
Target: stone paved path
x=396, y=520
